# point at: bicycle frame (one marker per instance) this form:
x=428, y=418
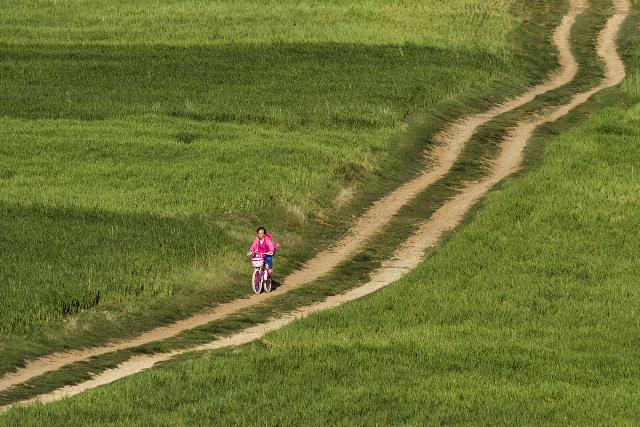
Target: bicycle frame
x=260, y=279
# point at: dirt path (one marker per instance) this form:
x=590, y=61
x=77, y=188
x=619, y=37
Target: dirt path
x=451, y=213
x=444, y=155
x=410, y=253
x=451, y=141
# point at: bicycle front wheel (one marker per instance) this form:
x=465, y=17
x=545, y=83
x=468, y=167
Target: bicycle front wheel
x=256, y=280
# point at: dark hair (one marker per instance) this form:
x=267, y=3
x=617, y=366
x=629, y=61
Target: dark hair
x=263, y=229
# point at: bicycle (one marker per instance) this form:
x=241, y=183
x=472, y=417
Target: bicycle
x=261, y=279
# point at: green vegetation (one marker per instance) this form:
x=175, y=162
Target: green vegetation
x=528, y=314
x=354, y=271
x=128, y=176
x=538, y=325
x=481, y=25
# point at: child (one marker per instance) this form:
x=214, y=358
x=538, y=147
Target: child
x=263, y=245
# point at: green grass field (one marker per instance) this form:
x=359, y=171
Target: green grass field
x=130, y=141
x=482, y=25
x=526, y=315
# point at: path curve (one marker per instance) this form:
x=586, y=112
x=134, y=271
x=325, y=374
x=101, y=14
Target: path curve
x=451, y=142
x=409, y=254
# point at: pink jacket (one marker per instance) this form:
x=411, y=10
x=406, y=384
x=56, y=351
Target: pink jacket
x=267, y=245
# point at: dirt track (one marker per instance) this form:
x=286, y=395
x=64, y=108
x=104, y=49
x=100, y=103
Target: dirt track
x=451, y=142
x=409, y=254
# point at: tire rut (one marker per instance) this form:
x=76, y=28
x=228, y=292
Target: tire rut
x=406, y=257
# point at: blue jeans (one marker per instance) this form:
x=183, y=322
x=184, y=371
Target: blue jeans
x=269, y=260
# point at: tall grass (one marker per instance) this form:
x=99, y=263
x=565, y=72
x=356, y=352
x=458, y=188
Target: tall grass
x=138, y=154
x=479, y=25
x=527, y=315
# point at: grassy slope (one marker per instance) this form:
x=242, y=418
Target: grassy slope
x=126, y=180
x=527, y=314
x=480, y=24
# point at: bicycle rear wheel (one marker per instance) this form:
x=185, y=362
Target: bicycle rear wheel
x=267, y=284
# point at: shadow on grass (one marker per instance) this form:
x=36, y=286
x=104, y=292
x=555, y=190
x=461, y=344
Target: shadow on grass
x=282, y=84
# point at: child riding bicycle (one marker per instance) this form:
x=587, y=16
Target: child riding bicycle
x=263, y=245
